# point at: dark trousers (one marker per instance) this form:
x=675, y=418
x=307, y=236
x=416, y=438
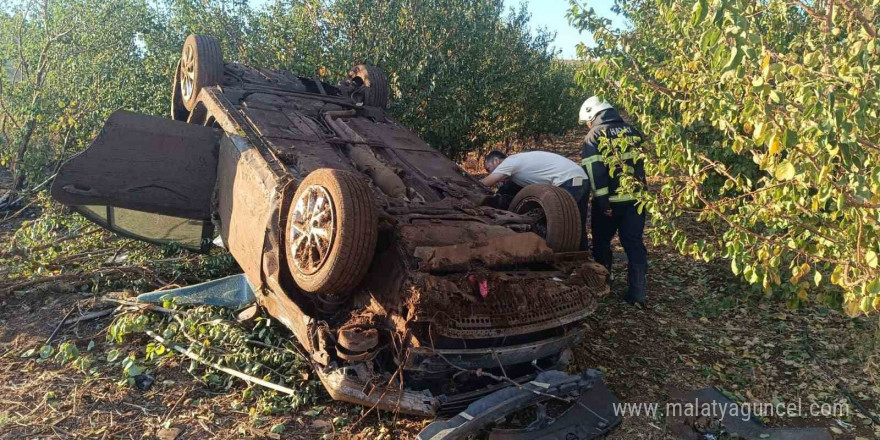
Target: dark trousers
x=581, y=195
x=626, y=221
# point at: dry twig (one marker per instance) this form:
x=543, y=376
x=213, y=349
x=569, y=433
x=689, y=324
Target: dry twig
x=247, y=378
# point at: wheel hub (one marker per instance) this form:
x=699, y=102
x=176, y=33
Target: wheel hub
x=312, y=228
x=187, y=72
x=534, y=210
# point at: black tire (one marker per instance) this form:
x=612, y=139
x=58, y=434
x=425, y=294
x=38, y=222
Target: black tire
x=376, y=90
x=178, y=110
x=202, y=62
x=561, y=218
x=353, y=233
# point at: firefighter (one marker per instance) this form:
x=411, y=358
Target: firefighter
x=614, y=213
x=538, y=167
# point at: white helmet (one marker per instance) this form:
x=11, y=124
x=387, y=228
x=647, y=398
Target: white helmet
x=590, y=108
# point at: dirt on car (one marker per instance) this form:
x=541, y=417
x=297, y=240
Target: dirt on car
x=382, y=256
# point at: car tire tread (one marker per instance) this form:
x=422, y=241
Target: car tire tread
x=355, y=240
x=560, y=210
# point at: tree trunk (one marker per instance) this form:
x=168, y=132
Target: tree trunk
x=18, y=165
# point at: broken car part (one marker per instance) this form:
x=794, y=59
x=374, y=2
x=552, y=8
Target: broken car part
x=590, y=413
x=234, y=291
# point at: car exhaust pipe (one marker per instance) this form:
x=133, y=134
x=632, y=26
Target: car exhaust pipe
x=363, y=158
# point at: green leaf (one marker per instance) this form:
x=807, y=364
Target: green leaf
x=784, y=171
x=46, y=351
x=871, y=259
x=837, y=275
x=113, y=355
x=811, y=59
x=700, y=10
x=29, y=353
x=719, y=12
x=736, y=56
x=315, y=411
x=791, y=138
x=134, y=370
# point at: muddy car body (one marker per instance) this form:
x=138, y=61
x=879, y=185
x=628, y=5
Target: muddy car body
x=369, y=245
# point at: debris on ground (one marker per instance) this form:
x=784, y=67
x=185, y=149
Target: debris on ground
x=589, y=414
x=168, y=434
x=233, y=291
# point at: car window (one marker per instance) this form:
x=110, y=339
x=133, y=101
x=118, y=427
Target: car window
x=154, y=228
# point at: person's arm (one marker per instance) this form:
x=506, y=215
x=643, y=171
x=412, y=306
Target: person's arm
x=502, y=172
x=597, y=171
x=493, y=179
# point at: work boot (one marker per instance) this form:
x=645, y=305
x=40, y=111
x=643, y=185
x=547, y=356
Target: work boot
x=606, y=261
x=636, y=274
x=609, y=279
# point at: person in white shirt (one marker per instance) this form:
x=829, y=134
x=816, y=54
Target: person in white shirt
x=541, y=167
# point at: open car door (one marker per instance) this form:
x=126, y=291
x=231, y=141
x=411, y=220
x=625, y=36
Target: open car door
x=147, y=178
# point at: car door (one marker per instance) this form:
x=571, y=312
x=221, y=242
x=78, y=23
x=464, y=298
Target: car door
x=147, y=178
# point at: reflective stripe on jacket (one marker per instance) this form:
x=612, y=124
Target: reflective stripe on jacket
x=610, y=125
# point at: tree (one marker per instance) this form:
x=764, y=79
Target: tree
x=36, y=31
x=73, y=62
x=485, y=79
x=70, y=63
x=762, y=124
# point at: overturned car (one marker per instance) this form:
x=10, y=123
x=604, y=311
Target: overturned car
x=374, y=249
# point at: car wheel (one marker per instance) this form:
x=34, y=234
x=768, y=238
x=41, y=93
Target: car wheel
x=331, y=232
x=178, y=110
x=201, y=65
x=558, y=218
x=376, y=90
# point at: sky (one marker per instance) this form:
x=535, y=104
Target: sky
x=550, y=14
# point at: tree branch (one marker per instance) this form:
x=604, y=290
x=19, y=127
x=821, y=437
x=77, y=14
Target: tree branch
x=812, y=13
x=7, y=114
x=23, y=64
x=759, y=237
x=869, y=27
x=827, y=28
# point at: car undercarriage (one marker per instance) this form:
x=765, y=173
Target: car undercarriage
x=380, y=255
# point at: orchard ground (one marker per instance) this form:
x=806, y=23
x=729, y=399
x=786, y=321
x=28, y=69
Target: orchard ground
x=703, y=327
